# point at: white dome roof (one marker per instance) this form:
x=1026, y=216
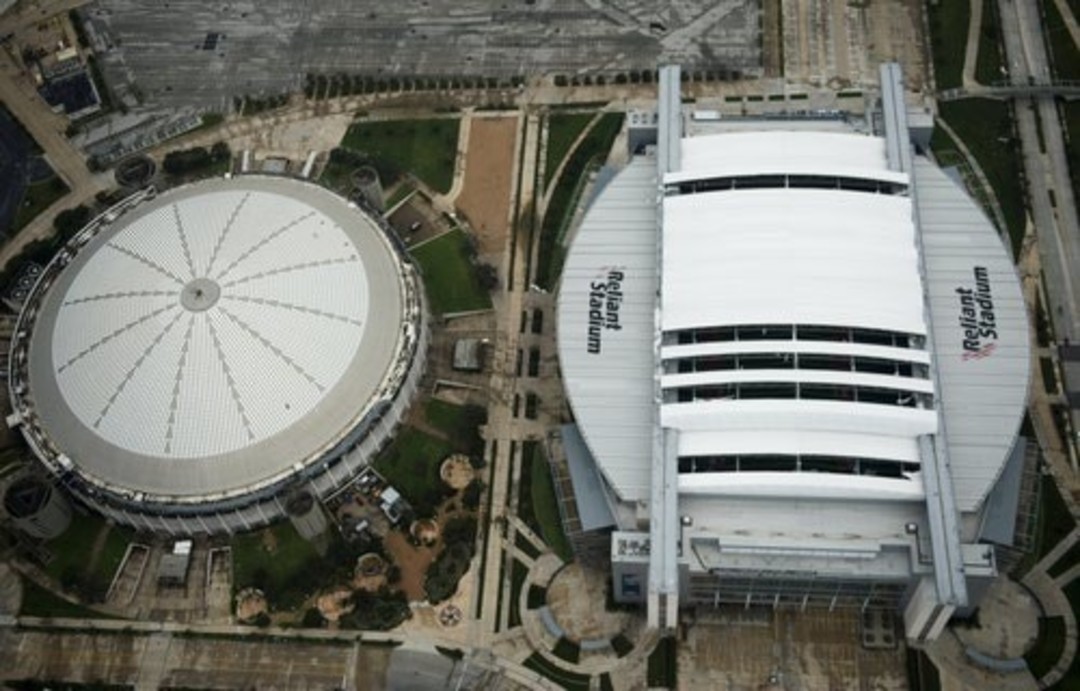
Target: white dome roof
x=216, y=336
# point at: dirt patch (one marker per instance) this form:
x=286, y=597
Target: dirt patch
x=489, y=167
x=413, y=562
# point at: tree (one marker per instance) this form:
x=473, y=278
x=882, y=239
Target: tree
x=220, y=152
x=487, y=276
x=313, y=619
x=471, y=496
x=70, y=221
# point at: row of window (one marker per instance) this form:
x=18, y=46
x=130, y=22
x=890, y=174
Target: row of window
x=795, y=463
x=787, y=332
x=783, y=181
x=792, y=361
x=797, y=391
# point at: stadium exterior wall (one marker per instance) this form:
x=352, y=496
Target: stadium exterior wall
x=264, y=504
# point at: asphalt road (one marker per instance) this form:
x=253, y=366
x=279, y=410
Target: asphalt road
x=1053, y=206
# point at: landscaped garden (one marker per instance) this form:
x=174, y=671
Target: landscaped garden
x=948, y=32
x=425, y=148
x=985, y=126
x=538, y=503
x=585, y=158
x=450, y=275
x=85, y=557
x=563, y=130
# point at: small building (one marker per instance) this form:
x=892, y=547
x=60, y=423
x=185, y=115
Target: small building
x=174, y=564
x=393, y=504
x=468, y=355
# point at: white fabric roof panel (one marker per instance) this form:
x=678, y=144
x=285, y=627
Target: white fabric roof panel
x=212, y=338
x=780, y=151
x=984, y=382
x=687, y=350
x=790, y=256
x=767, y=416
x=611, y=389
x=808, y=376
x=798, y=442
x=797, y=485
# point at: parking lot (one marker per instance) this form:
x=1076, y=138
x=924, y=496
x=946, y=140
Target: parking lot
x=196, y=52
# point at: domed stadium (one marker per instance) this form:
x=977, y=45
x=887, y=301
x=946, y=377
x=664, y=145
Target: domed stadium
x=190, y=358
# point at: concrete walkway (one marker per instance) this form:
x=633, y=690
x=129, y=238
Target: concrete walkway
x=971, y=47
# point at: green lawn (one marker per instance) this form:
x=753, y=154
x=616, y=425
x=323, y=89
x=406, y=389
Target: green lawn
x=1055, y=521
x=38, y=197
x=283, y=573
x=989, y=63
x=449, y=277
x=922, y=675
x=1068, y=682
x=985, y=126
x=411, y=465
x=1065, y=57
x=426, y=148
x=563, y=129
x=1048, y=647
x=537, y=504
x=72, y=551
x=518, y=574
x=664, y=664
x=39, y=602
x=592, y=152
x=461, y=423
x=1070, y=111
x=948, y=34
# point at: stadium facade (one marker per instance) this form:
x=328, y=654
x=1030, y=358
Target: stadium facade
x=190, y=360
x=797, y=356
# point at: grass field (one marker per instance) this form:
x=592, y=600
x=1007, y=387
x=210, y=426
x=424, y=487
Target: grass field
x=1065, y=56
x=563, y=129
x=518, y=574
x=1048, y=647
x=459, y=423
x=279, y=573
x=985, y=126
x=426, y=148
x=1068, y=682
x=537, y=503
x=1071, y=121
x=38, y=197
x=989, y=63
x=1055, y=521
x=72, y=553
x=948, y=31
x=411, y=465
x=39, y=602
x=663, y=664
x=449, y=277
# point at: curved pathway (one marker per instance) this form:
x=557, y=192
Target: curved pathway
x=1048, y=591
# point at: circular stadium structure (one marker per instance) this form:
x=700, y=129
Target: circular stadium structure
x=188, y=358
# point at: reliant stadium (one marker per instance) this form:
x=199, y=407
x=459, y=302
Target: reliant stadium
x=190, y=359
x=797, y=356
